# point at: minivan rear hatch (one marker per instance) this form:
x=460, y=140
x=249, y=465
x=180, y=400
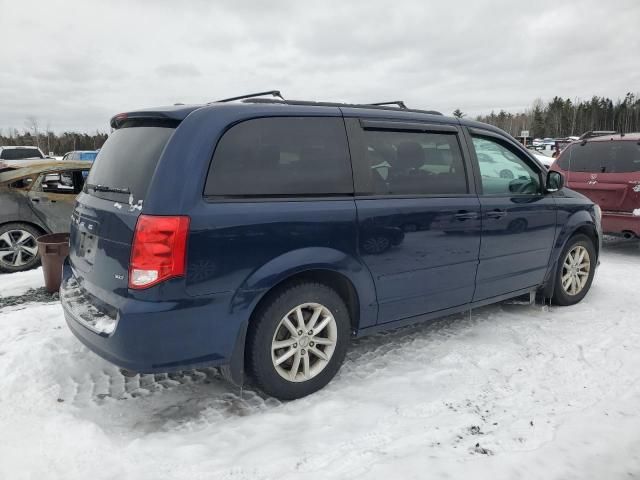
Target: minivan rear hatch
x=104, y=220
x=608, y=172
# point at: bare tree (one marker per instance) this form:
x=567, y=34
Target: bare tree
x=32, y=126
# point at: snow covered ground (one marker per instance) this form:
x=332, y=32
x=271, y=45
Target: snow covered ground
x=19, y=283
x=509, y=392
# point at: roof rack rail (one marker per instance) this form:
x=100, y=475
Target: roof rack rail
x=399, y=103
x=273, y=93
x=597, y=133
x=338, y=104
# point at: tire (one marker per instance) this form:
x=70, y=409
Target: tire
x=269, y=326
x=518, y=225
x=578, y=276
x=26, y=255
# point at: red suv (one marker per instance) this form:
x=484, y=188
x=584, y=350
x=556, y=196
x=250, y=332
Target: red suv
x=607, y=170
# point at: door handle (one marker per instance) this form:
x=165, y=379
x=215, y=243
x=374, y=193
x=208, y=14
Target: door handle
x=496, y=213
x=35, y=200
x=463, y=215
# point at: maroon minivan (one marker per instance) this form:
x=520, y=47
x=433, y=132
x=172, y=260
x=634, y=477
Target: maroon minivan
x=607, y=170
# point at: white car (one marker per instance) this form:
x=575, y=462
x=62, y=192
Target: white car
x=19, y=156
x=543, y=159
x=498, y=163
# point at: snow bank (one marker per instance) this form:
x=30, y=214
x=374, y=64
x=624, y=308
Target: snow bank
x=18, y=283
x=508, y=392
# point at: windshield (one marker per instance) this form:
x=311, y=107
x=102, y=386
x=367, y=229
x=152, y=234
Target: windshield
x=127, y=161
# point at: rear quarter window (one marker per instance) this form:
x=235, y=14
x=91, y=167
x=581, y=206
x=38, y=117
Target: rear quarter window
x=22, y=183
x=281, y=156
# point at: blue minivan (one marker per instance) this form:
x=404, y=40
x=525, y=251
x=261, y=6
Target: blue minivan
x=259, y=235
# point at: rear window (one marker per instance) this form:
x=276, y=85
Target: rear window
x=127, y=162
x=88, y=155
x=602, y=157
x=20, y=153
x=282, y=156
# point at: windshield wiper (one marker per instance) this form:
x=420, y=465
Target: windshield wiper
x=103, y=188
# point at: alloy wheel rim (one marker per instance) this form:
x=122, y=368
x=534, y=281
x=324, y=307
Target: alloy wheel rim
x=376, y=245
x=17, y=248
x=304, y=342
x=575, y=270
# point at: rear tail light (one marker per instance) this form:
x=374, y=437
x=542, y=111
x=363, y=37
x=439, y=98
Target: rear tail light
x=159, y=250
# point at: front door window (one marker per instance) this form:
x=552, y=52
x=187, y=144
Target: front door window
x=503, y=172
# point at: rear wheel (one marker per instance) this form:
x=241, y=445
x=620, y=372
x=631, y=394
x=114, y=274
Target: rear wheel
x=575, y=271
x=18, y=247
x=298, y=341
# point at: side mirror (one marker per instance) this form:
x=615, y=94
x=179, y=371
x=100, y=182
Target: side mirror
x=555, y=181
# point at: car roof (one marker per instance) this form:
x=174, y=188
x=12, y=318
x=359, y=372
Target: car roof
x=15, y=147
x=39, y=167
x=180, y=112
x=632, y=137
x=300, y=107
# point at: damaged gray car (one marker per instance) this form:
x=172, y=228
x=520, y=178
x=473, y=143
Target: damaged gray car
x=35, y=200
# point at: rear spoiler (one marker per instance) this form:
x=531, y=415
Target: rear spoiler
x=143, y=119
x=169, y=116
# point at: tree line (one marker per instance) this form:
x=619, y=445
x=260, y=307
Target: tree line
x=565, y=117
x=50, y=142
x=557, y=118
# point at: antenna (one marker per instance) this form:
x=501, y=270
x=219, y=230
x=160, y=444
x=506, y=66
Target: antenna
x=273, y=93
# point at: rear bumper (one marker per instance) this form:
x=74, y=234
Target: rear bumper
x=150, y=337
x=619, y=222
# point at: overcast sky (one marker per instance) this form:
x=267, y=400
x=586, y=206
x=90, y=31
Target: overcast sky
x=74, y=64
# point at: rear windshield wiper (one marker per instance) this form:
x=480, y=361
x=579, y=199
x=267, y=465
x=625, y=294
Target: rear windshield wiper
x=103, y=188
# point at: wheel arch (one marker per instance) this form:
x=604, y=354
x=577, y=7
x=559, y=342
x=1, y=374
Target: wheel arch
x=35, y=225
x=584, y=226
x=335, y=269
x=343, y=286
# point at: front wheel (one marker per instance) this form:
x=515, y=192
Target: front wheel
x=298, y=341
x=575, y=271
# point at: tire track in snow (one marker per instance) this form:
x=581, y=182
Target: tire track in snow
x=96, y=387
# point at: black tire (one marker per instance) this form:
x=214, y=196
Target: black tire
x=518, y=225
x=259, y=363
x=560, y=294
x=5, y=262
